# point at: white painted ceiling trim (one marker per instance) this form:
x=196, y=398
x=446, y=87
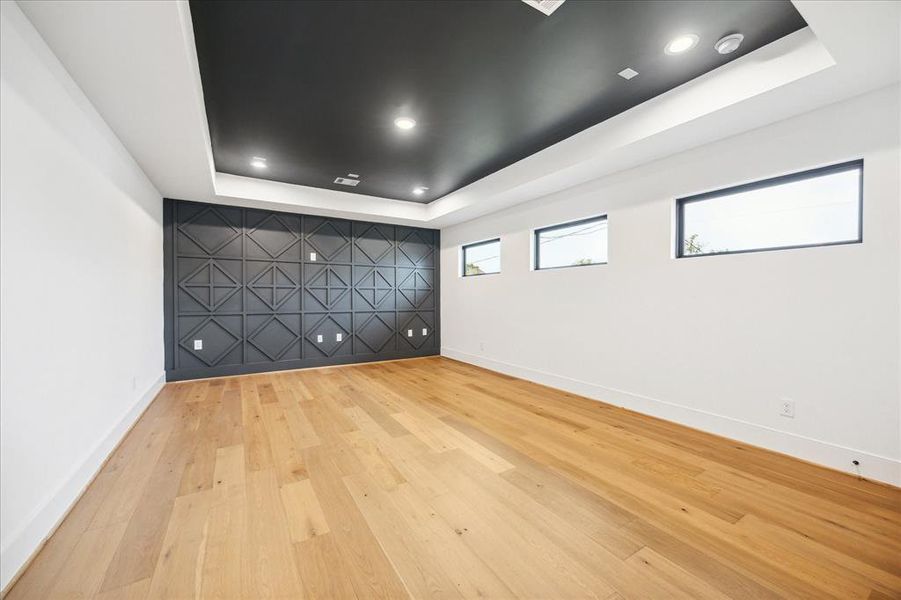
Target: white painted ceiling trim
x=137, y=63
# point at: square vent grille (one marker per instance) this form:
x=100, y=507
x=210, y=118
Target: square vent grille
x=545, y=6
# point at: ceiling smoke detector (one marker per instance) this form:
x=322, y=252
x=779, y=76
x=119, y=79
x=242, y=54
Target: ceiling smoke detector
x=545, y=6
x=729, y=43
x=346, y=181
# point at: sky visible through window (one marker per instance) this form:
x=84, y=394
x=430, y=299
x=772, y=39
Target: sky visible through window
x=578, y=244
x=481, y=259
x=819, y=210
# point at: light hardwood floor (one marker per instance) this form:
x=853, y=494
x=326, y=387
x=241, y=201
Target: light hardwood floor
x=432, y=478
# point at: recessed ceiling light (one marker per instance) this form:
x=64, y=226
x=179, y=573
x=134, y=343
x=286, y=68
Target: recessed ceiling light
x=681, y=44
x=258, y=162
x=729, y=43
x=419, y=191
x=628, y=73
x=405, y=123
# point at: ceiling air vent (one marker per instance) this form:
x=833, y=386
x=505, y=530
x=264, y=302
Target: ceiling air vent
x=545, y=6
x=346, y=181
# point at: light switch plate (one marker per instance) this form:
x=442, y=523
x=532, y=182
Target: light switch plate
x=313, y=256
x=338, y=337
x=198, y=344
x=318, y=339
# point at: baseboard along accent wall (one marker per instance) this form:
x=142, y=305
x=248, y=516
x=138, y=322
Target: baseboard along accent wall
x=251, y=290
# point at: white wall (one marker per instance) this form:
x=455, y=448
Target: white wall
x=711, y=342
x=81, y=303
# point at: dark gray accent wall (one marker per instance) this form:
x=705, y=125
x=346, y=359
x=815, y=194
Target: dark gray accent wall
x=258, y=289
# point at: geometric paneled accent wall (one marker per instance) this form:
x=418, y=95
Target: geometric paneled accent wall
x=251, y=290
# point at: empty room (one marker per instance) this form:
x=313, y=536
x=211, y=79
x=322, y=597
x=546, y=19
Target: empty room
x=499, y=299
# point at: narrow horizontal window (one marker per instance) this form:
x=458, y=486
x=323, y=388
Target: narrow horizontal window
x=482, y=258
x=821, y=207
x=574, y=244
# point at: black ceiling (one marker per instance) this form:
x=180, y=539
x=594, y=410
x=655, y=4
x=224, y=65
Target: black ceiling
x=314, y=87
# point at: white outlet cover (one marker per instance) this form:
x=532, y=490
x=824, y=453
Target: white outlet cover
x=198, y=344
x=787, y=408
x=313, y=256
x=425, y=331
x=409, y=333
x=338, y=337
x=318, y=339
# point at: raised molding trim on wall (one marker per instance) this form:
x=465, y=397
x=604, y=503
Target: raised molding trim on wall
x=250, y=290
x=834, y=456
x=23, y=544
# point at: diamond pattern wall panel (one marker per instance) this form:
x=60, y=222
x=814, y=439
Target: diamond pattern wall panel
x=327, y=240
x=250, y=290
x=416, y=247
x=374, y=332
x=416, y=332
x=415, y=289
x=274, y=236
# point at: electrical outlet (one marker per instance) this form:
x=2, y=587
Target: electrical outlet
x=312, y=257
x=339, y=337
x=787, y=408
x=425, y=331
x=198, y=344
x=318, y=339
x=409, y=333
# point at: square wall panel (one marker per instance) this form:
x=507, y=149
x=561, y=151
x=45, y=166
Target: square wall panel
x=273, y=236
x=209, y=285
x=415, y=247
x=208, y=230
x=415, y=331
x=327, y=240
x=373, y=244
x=415, y=289
x=327, y=287
x=374, y=288
x=323, y=332
x=273, y=286
x=274, y=337
x=374, y=332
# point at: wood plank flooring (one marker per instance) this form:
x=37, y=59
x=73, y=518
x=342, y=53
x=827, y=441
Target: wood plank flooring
x=430, y=478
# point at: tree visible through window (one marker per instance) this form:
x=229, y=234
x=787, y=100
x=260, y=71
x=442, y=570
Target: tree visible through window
x=813, y=208
x=572, y=244
x=482, y=258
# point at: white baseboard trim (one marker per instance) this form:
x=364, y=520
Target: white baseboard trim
x=21, y=545
x=834, y=456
